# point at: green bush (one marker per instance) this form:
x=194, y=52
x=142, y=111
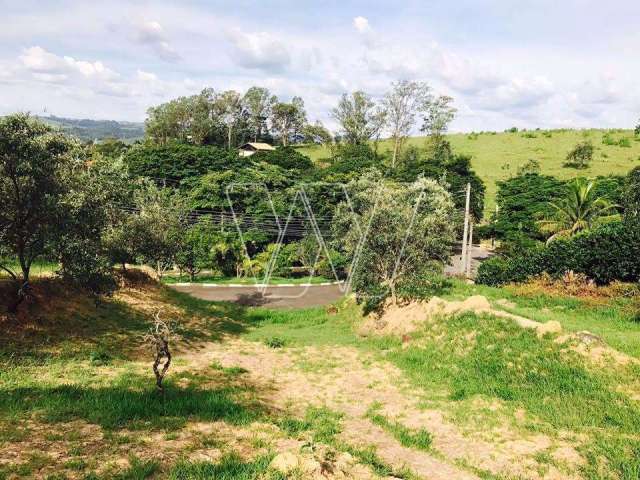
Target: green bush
x=609, y=252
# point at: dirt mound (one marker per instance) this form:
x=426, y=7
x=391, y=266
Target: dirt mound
x=402, y=319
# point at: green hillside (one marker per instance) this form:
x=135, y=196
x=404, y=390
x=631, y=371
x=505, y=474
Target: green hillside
x=88, y=130
x=496, y=156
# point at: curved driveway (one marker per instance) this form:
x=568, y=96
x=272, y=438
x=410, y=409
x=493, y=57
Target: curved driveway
x=298, y=296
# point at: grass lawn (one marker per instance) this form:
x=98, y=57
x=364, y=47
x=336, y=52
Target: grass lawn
x=77, y=398
x=38, y=268
x=498, y=156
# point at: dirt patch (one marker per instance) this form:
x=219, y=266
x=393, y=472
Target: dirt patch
x=353, y=388
x=593, y=348
x=402, y=319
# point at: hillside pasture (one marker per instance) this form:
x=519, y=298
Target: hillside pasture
x=497, y=156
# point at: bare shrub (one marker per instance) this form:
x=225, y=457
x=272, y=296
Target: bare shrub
x=158, y=339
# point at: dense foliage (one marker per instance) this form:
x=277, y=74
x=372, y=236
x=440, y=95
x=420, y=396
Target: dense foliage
x=606, y=253
x=521, y=201
x=529, y=197
x=175, y=162
x=394, y=234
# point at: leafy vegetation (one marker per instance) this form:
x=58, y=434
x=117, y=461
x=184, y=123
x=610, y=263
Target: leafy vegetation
x=581, y=156
x=579, y=211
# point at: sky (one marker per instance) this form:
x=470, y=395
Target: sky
x=527, y=63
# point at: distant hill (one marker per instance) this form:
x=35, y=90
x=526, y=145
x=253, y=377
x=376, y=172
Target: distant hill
x=497, y=156
x=87, y=130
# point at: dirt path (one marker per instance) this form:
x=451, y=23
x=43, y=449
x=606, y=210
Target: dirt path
x=349, y=381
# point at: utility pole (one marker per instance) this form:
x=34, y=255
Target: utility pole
x=470, y=249
x=466, y=229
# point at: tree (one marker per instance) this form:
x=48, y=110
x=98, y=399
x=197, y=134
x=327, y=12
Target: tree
x=287, y=119
x=195, y=119
x=196, y=248
x=32, y=156
x=410, y=232
x=637, y=129
x=316, y=133
x=359, y=117
x=438, y=115
x=521, y=200
x=580, y=156
x=578, y=211
x=157, y=227
x=258, y=102
x=228, y=106
x=89, y=209
x=442, y=164
x=405, y=100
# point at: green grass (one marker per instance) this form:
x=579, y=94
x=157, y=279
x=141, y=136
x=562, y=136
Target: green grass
x=38, y=268
x=129, y=401
x=420, y=439
x=498, y=156
x=614, y=321
x=230, y=467
x=302, y=327
x=171, y=279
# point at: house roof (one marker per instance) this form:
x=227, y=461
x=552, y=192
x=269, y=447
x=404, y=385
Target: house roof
x=257, y=146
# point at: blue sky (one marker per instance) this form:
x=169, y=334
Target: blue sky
x=570, y=63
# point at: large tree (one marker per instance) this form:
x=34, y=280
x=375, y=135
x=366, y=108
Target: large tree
x=439, y=113
x=229, y=108
x=316, y=133
x=394, y=233
x=32, y=157
x=258, y=103
x=402, y=103
x=359, y=117
x=157, y=226
x=288, y=119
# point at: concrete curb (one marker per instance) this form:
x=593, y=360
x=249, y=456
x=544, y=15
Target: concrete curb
x=255, y=285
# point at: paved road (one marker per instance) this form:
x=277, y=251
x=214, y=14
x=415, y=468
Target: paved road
x=272, y=297
x=299, y=296
x=478, y=254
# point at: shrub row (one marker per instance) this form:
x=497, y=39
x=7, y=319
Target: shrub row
x=606, y=253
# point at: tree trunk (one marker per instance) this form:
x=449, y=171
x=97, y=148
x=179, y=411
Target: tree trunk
x=229, y=138
x=395, y=152
x=13, y=305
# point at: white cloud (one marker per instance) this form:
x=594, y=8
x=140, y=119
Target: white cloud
x=518, y=93
x=151, y=33
x=361, y=24
x=260, y=50
x=48, y=66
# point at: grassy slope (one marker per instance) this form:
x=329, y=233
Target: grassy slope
x=471, y=358
x=99, y=374
x=490, y=153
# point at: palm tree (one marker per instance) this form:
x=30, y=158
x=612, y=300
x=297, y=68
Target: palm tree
x=578, y=211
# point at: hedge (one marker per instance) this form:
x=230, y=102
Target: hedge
x=606, y=253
